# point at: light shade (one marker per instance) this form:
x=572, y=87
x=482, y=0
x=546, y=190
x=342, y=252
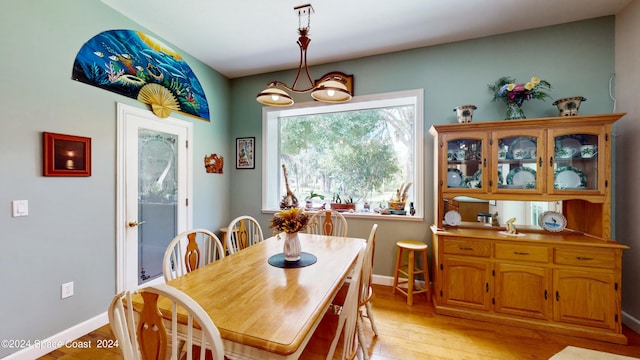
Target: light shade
x=331, y=91
x=272, y=96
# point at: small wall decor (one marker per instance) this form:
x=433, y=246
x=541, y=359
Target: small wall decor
x=245, y=149
x=136, y=65
x=66, y=155
x=213, y=163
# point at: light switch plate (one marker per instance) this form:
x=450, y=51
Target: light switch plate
x=20, y=208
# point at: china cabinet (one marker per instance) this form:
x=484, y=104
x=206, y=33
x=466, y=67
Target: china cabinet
x=567, y=281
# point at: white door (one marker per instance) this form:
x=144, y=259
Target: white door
x=154, y=187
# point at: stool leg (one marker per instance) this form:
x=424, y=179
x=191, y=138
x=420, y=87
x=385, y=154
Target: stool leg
x=410, y=276
x=395, y=277
x=425, y=267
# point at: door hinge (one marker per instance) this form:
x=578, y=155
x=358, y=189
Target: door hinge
x=493, y=301
x=441, y=267
x=606, y=137
x=616, y=317
x=616, y=286
x=491, y=141
x=486, y=286
x=441, y=293
x=606, y=183
x=186, y=202
x=441, y=144
x=493, y=273
x=186, y=144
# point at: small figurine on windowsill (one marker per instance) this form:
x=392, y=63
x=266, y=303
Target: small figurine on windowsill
x=511, y=227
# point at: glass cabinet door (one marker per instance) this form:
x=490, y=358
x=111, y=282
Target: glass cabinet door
x=465, y=160
x=576, y=162
x=518, y=158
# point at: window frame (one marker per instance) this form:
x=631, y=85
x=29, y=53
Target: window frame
x=271, y=143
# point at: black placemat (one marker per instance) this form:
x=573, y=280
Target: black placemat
x=306, y=259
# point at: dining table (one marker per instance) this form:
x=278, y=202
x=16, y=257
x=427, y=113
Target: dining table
x=267, y=308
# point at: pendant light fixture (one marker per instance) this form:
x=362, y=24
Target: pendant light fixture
x=333, y=87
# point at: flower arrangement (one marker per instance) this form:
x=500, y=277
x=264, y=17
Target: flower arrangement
x=289, y=221
x=514, y=94
x=507, y=90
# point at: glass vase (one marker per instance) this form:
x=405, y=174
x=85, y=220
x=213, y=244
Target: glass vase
x=292, y=248
x=514, y=112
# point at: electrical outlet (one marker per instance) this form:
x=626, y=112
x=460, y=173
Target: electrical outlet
x=66, y=290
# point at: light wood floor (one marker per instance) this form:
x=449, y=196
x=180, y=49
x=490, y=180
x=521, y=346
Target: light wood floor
x=415, y=332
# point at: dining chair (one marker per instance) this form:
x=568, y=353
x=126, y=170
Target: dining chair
x=366, y=292
x=339, y=322
x=246, y=232
x=144, y=336
x=328, y=222
x=190, y=250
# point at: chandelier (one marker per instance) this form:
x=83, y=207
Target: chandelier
x=333, y=87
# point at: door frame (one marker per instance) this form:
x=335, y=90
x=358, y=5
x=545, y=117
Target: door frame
x=123, y=111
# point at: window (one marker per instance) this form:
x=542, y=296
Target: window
x=360, y=152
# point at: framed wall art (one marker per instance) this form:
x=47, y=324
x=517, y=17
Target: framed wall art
x=245, y=151
x=66, y=155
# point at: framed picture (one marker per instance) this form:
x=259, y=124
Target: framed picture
x=245, y=152
x=66, y=155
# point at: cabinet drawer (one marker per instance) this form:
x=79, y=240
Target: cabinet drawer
x=601, y=258
x=467, y=247
x=522, y=252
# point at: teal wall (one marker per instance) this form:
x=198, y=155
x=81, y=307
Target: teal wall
x=70, y=232
x=576, y=58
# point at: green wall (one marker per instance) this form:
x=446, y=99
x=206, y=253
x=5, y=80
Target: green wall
x=576, y=58
x=69, y=234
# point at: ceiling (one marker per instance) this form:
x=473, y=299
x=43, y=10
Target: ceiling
x=246, y=37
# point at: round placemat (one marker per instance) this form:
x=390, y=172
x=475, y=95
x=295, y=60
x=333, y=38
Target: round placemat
x=306, y=259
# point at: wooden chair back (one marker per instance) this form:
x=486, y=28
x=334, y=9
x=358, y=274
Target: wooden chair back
x=242, y=232
x=328, y=222
x=145, y=336
x=190, y=250
x=348, y=314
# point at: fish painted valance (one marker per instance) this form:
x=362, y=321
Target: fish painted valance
x=141, y=67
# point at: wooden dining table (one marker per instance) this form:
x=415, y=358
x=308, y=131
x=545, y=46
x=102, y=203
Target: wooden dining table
x=267, y=312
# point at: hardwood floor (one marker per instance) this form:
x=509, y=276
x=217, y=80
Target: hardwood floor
x=415, y=332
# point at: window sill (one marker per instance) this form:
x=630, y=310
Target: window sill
x=361, y=215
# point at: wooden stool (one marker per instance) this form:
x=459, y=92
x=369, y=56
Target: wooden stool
x=410, y=270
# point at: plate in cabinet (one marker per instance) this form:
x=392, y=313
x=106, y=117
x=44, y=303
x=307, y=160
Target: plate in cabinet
x=455, y=178
x=568, y=177
x=523, y=177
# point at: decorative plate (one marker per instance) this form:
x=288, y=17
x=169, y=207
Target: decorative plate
x=552, y=221
x=568, y=177
x=452, y=218
x=522, y=176
x=455, y=178
x=521, y=144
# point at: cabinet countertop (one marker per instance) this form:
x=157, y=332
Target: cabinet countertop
x=543, y=237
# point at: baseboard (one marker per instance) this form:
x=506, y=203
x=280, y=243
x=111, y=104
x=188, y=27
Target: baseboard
x=60, y=339
x=632, y=322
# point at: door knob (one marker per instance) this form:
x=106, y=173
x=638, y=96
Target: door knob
x=135, y=223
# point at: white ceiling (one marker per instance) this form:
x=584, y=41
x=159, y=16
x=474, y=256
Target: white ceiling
x=246, y=37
